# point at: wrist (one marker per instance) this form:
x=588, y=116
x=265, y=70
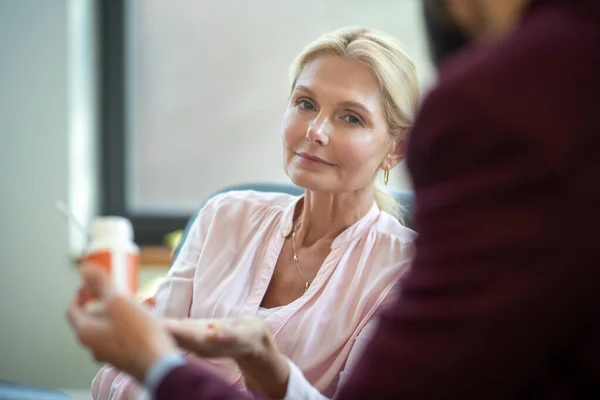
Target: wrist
x=265, y=369
x=147, y=355
x=143, y=364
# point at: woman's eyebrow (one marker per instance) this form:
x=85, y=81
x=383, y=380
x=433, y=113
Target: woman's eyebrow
x=354, y=104
x=306, y=89
x=346, y=103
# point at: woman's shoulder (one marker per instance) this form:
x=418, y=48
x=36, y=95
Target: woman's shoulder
x=389, y=227
x=393, y=244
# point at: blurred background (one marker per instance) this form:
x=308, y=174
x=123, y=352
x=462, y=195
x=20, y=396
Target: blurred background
x=139, y=108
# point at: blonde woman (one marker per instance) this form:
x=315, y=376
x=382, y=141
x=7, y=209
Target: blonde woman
x=317, y=267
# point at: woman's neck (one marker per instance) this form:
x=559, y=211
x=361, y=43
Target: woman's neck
x=325, y=215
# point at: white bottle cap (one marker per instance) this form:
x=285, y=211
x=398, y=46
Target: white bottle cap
x=115, y=227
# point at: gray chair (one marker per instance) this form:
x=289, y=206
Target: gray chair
x=23, y=391
x=404, y=198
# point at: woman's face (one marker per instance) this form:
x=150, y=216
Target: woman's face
x=335, y=133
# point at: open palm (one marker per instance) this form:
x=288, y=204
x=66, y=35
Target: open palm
x=214, y=338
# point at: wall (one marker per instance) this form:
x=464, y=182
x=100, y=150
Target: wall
x=39, y=129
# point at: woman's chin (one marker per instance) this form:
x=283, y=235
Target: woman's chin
x=311, y=182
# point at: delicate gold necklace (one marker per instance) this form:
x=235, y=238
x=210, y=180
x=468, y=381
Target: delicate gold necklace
x=307, y=284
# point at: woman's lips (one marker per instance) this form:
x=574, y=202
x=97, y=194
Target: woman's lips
x=309, y=158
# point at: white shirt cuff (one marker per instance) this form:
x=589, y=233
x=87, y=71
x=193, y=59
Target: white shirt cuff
x=161, y=368
x=298, y=387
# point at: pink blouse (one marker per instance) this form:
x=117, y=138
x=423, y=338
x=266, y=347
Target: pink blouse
x=225, y=266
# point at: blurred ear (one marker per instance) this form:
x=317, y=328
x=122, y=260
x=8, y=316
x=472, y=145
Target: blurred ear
x=396, y=153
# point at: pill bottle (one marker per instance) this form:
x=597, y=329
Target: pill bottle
x=112, y=249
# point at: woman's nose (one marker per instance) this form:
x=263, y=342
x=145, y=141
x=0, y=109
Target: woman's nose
x=318, y=131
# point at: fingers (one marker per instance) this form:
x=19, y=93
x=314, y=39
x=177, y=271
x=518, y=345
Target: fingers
x=117, y=304
x=83, y=295
x=188, y=330
x=192, y=328
x=202, y=329
x=232, y=337
x=75, y=315
x=97, y=281
x=91, y=330
x=150, y=302
x=192, y=334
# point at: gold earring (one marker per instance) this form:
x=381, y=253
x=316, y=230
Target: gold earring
x=386, y=175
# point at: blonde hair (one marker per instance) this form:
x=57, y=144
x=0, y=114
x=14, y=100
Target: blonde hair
x=386, y=58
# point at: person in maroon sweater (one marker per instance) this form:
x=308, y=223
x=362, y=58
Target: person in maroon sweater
x=503, y=299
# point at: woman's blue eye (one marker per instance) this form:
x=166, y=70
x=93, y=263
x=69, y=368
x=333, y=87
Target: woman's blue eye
x=351, y=119
x=306, y=105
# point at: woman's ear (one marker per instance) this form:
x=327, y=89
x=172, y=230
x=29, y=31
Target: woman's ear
x=396, y=153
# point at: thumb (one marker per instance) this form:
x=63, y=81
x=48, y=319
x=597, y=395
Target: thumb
x=186, y=332
x=97, y=281
x=180, y=327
